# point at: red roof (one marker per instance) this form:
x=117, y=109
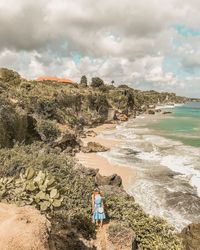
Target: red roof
x=54, y=79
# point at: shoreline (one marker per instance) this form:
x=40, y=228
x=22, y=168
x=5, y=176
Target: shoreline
x=96, y=161
x=106, y=168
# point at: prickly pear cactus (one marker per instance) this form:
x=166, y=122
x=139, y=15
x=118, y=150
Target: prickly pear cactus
x=32, y=188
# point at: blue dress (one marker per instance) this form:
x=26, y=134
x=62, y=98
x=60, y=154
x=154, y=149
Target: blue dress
x=97, y=204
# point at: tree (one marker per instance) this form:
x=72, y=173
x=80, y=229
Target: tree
x=97, y=82
x=112, y=82
x=83, y=81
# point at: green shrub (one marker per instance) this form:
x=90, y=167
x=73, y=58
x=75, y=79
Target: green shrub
x=96, y=82
x=47, y=130
x=151, y=232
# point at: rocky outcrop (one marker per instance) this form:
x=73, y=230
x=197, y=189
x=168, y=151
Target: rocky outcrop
x=16, y=125
x=23, y=228
x=113, y=180
x=166, y=112
x=93, y=147
x=67, y=142
x=120, y=116
x=119, y=237
x=191, y=237
x=151, y=112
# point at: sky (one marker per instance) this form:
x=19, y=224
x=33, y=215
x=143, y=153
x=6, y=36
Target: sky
x=146, y=44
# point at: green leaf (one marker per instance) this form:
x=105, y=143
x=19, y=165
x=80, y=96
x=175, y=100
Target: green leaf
x=57, y=203
x=53, y=193
x=44, y=205
x=29, y=173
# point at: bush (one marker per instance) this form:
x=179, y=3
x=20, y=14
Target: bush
x=97, y=82
x=83, y=81
x=47, y=130
x=151, y=232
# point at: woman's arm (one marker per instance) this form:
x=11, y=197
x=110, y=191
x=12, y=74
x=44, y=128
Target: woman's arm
x=102, y=204
x=92, y=202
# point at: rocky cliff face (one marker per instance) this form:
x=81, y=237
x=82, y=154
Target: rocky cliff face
x=191, y=237
x=33, y=110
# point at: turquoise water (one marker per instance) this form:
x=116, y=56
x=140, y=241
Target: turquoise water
x=183, y=125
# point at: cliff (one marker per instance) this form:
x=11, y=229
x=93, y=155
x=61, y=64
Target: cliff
x=41, y=128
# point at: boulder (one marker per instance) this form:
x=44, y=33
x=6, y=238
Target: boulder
x=93, y=147
x=90, y=133
x=83, y=171
x=151, y=112
x=113, y=180
x=120, y=116
x=67, y=141
x=191, y=237
x=158, y=110
x=120, y=237
x=166, y=112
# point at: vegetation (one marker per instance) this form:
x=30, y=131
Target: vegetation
x=40, y=124
x=83, y=81
x=97, y=82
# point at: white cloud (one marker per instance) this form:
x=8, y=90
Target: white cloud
x=126, y=41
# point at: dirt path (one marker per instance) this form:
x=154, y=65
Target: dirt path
x=101, y=239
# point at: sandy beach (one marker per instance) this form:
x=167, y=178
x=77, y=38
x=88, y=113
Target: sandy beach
x=93, y=160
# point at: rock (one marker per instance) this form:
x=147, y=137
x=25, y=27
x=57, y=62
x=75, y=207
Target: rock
x=120, y=237
x=113, y=180
x=90, y=133
x=120, y=116
x=93, y=147
x=23, y=228
x=191, y=237
x=166, y=112
x=87, y=171
x=158, y=110
x=151, y=112
x=67, y=141
x=16, y=125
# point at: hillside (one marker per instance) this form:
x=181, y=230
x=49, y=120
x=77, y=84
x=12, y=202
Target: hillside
x=41, y=125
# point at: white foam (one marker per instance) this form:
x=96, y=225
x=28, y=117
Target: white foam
x=155, y=205
x=159, y=151
x=184, y=166
x=167, y=106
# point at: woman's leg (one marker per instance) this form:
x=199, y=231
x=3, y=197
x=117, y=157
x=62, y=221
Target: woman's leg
x=101, y=223
x=97, y=222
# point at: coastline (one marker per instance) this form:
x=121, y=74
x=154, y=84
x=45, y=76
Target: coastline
x=96, y=161
x=106, y=168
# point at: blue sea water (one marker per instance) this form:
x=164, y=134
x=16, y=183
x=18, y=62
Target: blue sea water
x=184, y=125
x=165, y=154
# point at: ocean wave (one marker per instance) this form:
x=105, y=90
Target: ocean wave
x=167, y=168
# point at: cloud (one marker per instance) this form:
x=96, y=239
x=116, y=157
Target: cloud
x=146, y=44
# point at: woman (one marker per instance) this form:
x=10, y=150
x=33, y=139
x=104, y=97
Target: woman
x=97, y=208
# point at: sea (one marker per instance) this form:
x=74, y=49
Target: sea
x=166, y=157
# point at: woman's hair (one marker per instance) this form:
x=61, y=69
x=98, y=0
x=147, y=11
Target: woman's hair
x=96, y=190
